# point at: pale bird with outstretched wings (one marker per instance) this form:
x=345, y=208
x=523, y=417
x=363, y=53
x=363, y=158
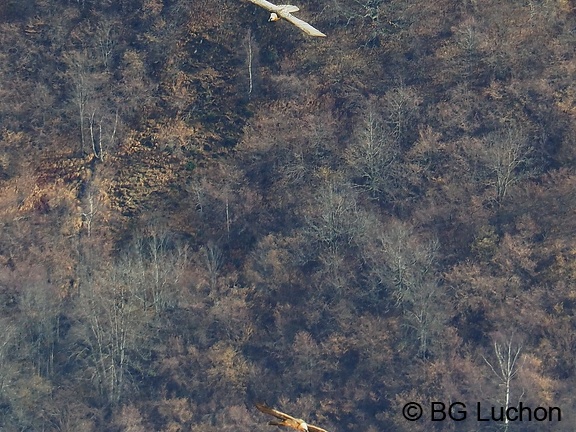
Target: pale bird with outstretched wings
x=284, y=11
x=288, y=421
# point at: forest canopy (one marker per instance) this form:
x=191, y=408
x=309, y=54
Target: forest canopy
x=201, y=210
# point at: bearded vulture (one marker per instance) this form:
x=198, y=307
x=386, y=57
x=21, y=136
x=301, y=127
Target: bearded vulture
x=288, y=421
x=284, y=11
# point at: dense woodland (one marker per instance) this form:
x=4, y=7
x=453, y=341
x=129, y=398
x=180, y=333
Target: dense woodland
x=201, y=210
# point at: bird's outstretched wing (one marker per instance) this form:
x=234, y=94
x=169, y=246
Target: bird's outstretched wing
x=275, y=413
x=266, y=5
x=312, y=428
x=284, y=12
x=292, y=421
x=303, y=25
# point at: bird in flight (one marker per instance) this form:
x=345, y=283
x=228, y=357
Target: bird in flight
x=288, y=421
x=284, y=11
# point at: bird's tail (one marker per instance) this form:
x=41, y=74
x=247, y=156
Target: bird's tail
x=276, y=423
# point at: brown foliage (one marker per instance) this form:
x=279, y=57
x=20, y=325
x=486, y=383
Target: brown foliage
x=349, y=236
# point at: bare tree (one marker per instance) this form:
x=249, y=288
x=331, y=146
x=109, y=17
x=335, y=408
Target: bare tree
x=167, y=265
x=7, y=337
x=334, y=223
x=508, y=364
x=157, y=265
x=508, y=152
x=98, y=115
x=252, y=51
x=506, y=156
x=468, y=40
x=90, y=209
x=111, y=331
x=40, y=306
x=28, y=346
x=102, y=133
x=401, y=106
x=373, y=156
x=359, y=11
x=213, y=261
x=403, y=263
x=82, y=87
x=117, y=303
x=332, y=220
x=105, y=41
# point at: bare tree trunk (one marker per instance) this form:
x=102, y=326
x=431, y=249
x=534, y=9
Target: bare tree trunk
x=249, y=50
x=213, y=260
x=81, y=98
x=249, y=39
x=105, y=41
x=506, y=368
x=96, y=138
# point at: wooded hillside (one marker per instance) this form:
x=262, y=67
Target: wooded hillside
x=201, y=210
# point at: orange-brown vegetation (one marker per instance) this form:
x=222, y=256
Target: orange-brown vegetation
x=200, y=210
